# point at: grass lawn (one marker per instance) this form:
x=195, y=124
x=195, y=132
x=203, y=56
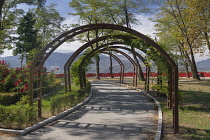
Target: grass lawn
x=195, y=114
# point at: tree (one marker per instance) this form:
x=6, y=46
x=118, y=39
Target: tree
x=48, y=23
x=91, y=12
x=9, y=18
x=27, y=38
x=184, y=27
x=201, y=10
x=125, y=12
x=128, y=9
x=110, y=11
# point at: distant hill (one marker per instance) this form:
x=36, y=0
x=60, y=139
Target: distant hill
x=57, y=60
x=204, y=65
x=13, y=61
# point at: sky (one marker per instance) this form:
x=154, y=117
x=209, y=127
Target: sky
x=146, y=27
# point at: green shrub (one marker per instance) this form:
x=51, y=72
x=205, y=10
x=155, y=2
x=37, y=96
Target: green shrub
x=62, y=102
x=17, y=116
x=10, y=98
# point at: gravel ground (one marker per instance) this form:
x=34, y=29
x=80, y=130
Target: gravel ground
x=114, y=113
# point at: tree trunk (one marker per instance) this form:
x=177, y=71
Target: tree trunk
x=1, y=7
x=21, y=60
x=158, y=82
x=193, y=65
x=206, y=36
x=97, y=67
x=140, y=73
x=97, y=57
x=185, y=58
x=111, y=66
x=126, y=14
x=187, y=70
x=127, y=20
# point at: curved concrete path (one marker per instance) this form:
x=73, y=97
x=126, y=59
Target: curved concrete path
x=114, y=113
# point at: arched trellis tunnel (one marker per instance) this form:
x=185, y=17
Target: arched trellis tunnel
x=98, y=49
x=83, y=47
x=122, y=66
x=39, y=61
x=124, y=54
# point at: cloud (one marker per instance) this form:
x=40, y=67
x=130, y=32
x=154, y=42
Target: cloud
x=69, y=46
x=146, y=27
x=7, y=53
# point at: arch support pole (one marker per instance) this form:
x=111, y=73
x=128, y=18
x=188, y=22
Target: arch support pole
x=170, y=95
x=176, y=102
x=65, y=80
x=39, y=93
x=147, y=78
x=69, y=79
x=31, y=86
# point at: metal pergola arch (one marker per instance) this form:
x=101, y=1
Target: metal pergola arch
x=124, y=36
x=83, y=47
x=112, y=55
x=90, y=54
x=124, y=54
x=38, y=62
x=67, y=65
x=72, y=58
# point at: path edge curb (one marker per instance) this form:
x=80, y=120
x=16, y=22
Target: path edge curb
x=160, y=113
x=49, y=120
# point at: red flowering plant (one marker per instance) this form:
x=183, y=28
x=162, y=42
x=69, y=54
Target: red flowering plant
x=13, y=83
x=5, y=74
x=21, y=81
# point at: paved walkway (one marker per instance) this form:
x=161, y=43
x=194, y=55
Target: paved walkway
x=114, y=113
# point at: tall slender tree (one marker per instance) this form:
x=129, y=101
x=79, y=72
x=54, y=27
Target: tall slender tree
x=27, y=38
x=185, y=28
x=48, y=22
x=9, y=18
x=200, y=10
x=110, y=11
x=91, y=12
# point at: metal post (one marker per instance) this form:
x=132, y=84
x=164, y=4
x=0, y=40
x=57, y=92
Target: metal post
x=145, y=83
x=39, y=94
x=134, y=69
x=31, y=86
x=170, y=95
x=122, y=73
x=136, y=76
x=69, y=79
x=176, y=107
x=148, y=75
x=65, y=80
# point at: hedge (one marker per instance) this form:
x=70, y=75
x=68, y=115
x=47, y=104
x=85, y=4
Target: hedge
x=65, y=101
x=17, y=117
x=10, y=98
